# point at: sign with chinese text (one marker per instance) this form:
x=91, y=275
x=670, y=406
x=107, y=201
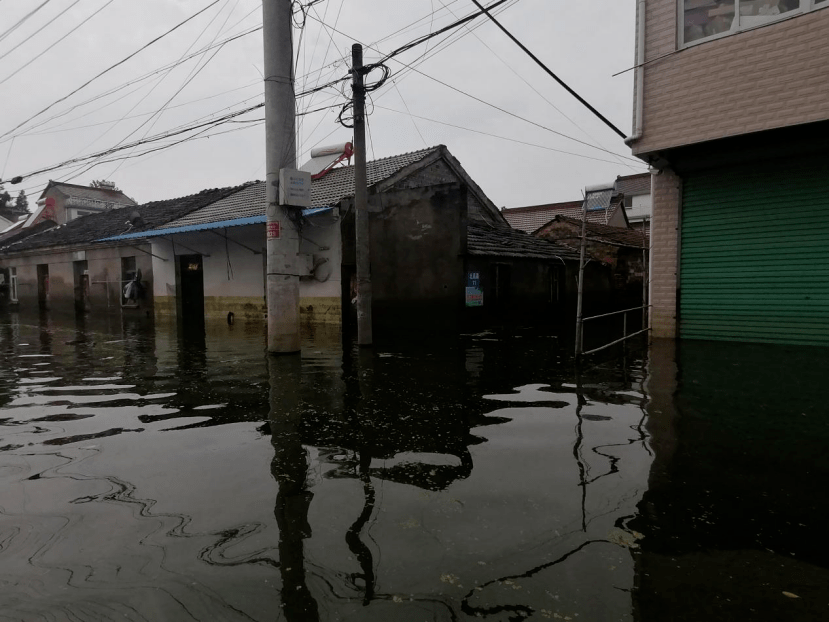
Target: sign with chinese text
x=273, y=230
x=474, y=293
x=294, y=188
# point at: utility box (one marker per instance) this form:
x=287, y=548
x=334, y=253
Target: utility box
x=294, y=188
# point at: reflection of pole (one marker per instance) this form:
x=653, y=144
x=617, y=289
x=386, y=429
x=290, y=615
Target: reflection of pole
x=290, y=469
x=352, y=537
x=364, y=331
x=282, y=237
x=579, y=321
x=580, y=403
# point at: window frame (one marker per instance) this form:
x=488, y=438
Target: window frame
x=13, y=293
x=124, y=281
x=806, y=6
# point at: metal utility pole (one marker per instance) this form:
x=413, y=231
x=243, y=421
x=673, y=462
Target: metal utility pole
x=282, y=280
x=364, y=333
x=579, y=320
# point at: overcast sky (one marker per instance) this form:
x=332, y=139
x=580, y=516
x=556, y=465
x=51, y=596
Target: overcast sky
x=583, y=41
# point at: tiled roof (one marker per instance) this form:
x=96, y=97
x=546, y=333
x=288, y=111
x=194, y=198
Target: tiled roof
x=597, y=232
x=247, y=202
x=483, y=240
x=339, y=183
x=87, y=192
x=634, y=185
x=336, y=185
x=87, y=229
x=530, y=218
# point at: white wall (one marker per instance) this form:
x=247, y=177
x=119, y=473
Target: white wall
x=320, y=240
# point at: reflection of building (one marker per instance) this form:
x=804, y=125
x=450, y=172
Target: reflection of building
x=734, y=501
x=733, y=118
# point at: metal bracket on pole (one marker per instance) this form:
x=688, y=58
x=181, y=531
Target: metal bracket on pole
x=230, y=239
x=192, y=250
x=148, y=252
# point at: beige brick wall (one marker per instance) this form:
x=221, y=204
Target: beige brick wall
x=667, y=189
x=770, y=77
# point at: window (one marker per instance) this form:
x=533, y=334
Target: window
x=706, y=19
x=13, y=284
x=129, y=271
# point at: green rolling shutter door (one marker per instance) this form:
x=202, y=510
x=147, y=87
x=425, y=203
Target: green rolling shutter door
x=754, y=262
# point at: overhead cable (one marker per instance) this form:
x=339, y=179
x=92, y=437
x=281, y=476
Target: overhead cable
x=111, y=67
x=23, y=19
x=549, y=71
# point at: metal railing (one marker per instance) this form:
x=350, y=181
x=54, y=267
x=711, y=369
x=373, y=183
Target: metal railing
x=625, y=336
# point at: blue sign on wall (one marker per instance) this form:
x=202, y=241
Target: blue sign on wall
x=474, y=293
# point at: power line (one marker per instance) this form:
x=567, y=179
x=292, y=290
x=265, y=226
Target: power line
x=452, y=26
x=51, y=47
x=111, y=67
x=512, y=140
x=130, y=83
x=23, y=19
x=478, y=99
x=550, y=72
x=525, y=81
x=46, y=25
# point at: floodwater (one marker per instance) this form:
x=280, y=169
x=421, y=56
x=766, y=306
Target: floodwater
x=149, y=474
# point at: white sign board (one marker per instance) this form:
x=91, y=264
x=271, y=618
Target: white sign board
x=294, y=188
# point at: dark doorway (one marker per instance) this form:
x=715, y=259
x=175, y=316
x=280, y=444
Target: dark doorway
x=81, y=274
x=501, y=285
x=191, y=289
x=43, y=285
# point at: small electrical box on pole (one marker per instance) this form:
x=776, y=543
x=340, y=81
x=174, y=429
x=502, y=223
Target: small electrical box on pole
x=282, y=236
x=364, y=329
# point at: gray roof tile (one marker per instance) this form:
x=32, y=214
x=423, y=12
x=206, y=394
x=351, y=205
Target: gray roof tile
x=483, y=240
x=329, y=190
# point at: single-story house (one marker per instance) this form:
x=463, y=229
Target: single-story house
x=607, y=207
x=440, y=251
x=623, y=251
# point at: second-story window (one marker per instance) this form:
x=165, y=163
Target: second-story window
x=706, y=19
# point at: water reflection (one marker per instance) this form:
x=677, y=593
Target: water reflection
x=151, y=476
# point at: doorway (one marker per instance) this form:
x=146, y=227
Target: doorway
x=81, y=274
x=191, y=289
x=43, y=286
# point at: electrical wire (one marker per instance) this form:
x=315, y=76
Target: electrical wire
x=525, y=81
x=110, y=68
x=462, y=21
x=513, y=140
x=23, y=20
x=550, y=72
x=40, y=30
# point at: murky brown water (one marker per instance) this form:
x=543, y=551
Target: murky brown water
x=150, y=475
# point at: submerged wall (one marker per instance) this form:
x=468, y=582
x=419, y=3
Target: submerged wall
x=234, y=274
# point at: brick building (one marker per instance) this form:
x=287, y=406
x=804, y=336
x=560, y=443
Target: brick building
x=731, y=108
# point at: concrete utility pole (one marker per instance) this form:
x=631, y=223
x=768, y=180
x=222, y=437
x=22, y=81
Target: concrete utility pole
x=364, y=332
x=280, y=139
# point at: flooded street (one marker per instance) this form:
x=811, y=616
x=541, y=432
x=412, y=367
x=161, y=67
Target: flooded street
x=151, y=474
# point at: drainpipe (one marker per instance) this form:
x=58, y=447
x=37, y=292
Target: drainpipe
x=641, y=16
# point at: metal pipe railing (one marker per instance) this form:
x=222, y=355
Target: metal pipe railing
x=593, y=317
x=625, y=336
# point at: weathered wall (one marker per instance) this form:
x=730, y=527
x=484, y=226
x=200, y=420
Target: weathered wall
x=537, y=290
x=104, y=266
x=756, y=80
x=440, y=173
x=664, y=261
x=417, y=237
